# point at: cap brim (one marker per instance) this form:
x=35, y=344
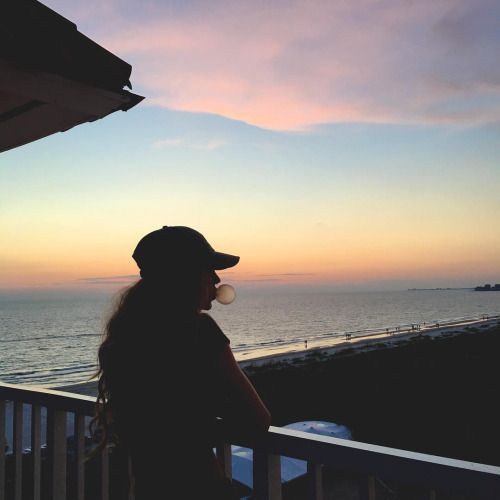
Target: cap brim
x=224, y=260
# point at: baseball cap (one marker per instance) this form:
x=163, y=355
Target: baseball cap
x=174, y=246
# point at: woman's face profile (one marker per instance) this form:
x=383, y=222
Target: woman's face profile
x=208, y=291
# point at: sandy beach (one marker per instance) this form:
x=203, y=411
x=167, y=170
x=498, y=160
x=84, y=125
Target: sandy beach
x=435, y=394
x=328, y=347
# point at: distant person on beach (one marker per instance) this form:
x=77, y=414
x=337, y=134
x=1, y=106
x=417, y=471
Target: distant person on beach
x=167, y=373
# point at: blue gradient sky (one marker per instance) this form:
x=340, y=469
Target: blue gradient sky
x=351, y=145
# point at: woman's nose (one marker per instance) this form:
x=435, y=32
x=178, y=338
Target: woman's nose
x=216, y=278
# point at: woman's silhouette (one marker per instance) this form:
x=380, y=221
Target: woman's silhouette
x=166, y=371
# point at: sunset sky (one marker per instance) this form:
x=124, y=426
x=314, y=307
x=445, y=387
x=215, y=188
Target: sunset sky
x=343, y=143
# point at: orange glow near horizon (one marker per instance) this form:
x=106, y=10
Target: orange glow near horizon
x=297, y=257
x=356, y=242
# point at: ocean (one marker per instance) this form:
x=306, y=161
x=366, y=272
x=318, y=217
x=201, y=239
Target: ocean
x=52, y=340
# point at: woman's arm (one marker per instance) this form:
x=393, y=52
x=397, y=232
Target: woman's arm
x=246, y=412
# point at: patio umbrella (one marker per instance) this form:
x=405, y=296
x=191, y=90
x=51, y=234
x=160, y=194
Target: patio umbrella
x=291, y=468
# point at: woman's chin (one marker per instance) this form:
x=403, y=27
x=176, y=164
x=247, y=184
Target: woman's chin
x=207, y=306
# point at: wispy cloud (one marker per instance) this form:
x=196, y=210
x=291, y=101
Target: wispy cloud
x=109, y=280
x=288, y=274
x=178, y=142
x=167, y=143
x=258, y=280
x=249, y=277
x=290, y=65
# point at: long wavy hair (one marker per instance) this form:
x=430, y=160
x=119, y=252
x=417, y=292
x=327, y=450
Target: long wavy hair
x=140, y=309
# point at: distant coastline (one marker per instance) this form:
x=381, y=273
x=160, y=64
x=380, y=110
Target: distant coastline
x=488, y=288
x=481, y=288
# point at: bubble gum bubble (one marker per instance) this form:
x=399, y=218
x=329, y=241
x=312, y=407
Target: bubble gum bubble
x=225, y=294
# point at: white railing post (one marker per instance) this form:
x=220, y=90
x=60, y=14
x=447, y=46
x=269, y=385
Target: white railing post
x=56, y=430
x=18, y=450
x=266, y=475
x=79, y=439
x=315, y=476
x=36, y=449
x=3, y=443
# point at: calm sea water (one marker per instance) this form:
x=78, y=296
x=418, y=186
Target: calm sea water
x=50, y=340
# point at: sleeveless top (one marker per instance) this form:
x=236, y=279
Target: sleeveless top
x=165, y=407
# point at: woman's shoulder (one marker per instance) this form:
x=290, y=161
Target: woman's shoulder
x=207, y=320
x=210, y=331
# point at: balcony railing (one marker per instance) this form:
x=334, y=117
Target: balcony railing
x=57, y=446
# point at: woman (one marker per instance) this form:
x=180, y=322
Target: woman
x=166, y=371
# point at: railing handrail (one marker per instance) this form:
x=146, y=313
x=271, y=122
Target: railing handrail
x=395, y=452
x=390, y=463
x=57, y=400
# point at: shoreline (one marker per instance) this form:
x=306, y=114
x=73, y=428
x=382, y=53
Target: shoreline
x=337, y=346
x=430, y=394
x=438, y=382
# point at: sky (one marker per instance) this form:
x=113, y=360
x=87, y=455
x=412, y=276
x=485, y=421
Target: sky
x=333, y=143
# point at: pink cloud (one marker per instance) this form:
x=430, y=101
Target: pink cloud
x=290, y=65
